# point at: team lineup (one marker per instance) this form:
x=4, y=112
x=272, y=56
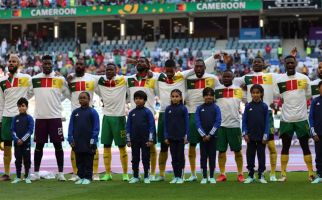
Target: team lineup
x=195, y=109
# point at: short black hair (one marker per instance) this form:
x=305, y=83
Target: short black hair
x=200, y=60
x=110, y=64
x=140, y=94
x=22, y=101
x=46, y=57
x=170, y=63
x=87, y=94
x=289, y=56
x=259, y=57
x=228, y=71
x=319, y=84
x=257, y=87
x=207, y=91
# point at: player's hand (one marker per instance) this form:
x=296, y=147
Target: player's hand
x=217, y=56
x=150, y=74
x=128, y=144
x=186, y=141
x=243, y=87
x=167, y=142
x=1, y=146
x=316, y=138
x=20, y=142
x=149, y=144
x=246, y=138
x=72, y=144
x=93, y=148
x=264, y=141
x=70, y=78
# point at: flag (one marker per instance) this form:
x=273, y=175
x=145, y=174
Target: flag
x=229, y=93
x=261, y=80
x=200, y=83
x=47, y=83
x=291, y=85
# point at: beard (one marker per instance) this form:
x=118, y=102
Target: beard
x=13, y=70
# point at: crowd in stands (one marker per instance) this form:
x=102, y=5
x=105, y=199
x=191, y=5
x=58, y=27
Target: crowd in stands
x=64, y=3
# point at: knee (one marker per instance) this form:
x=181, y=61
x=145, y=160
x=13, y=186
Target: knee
x=39, y=146
x=109, y=146
x=164, y=147
x=7, y=143
x=58, y=146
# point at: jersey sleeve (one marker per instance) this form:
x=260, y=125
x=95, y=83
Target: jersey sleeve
x=198, y=122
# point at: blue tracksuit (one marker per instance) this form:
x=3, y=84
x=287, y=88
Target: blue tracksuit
x=140, y=128
x=255, y=124
x=83, y=130
x=176, y=129
x=208, y=120
x=315, y=119
x=22, y=128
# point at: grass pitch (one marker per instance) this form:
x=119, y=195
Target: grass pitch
x=296, y=187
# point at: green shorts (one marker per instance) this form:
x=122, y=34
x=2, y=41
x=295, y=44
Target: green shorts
x=5, y=130
x=113, y=128
x=271, y=126
x=161, y=127
x=231, y=136
x=301, y=128
x=194, y=137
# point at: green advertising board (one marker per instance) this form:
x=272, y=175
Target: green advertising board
x=130, y=9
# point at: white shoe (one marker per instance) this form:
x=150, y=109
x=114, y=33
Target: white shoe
x=180, y=181
x=134, y=180
x=174, y=180
x=61, y=177
x=86, y=181
x=17, y=180
x=152, y=178
x=35, y=176
x=160, y=178
x=282, y=179
x=272, y=178
x=96, y=177
x=74, y=178
x=147, y=180
x=191, y=178
x=27, y=180
x=212, y=180
x=80, y=181
x=262, y=180
x=204, y=181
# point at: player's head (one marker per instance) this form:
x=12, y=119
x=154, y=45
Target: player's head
x=22, y=104
x=140, y=98
x=257, y=92
x=258, y=64
x=170, y=68
x=227, y=78
x=13, y=63
x=290, y=65
x=319, y=70
x=110, y=70
x=142, y=65
x=47, y=66
x=176, y=97
x=199, y=68
x=320, y=87
x=208, y=95
x=84, y=99
x=80, y=67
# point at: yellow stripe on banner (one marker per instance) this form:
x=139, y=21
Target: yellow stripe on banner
x=268, y=79
x=23, y=82
x=210, y=82
x=149, y=83
x=301, y=84
x=89, y=85
x=120, y=82
x=238, y=93
x=57, y=83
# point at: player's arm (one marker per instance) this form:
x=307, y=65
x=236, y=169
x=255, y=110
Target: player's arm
x=198, y=123
x=211, y=62
x=96, y=127
x=13, y=130
x=151, y=125
x=70, y=138
x=308, y=90
x=31, y=125
x=65, y=91
x=187, y=73
x=311, y=118
x=128, y=128
x=30, y=92
x=186, y=120
x=266, y=132
x=217, y=121
x=166, y=133
x=1, y=104
x=244, y=121
x=239, y=81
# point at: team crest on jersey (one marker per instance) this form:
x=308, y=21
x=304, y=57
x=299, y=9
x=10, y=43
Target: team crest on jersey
x=318, y=104
x=76, y=115
x=169, y=111
x=202, y=110
x=133, y=115
x=250, y=109
x=17, y=121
